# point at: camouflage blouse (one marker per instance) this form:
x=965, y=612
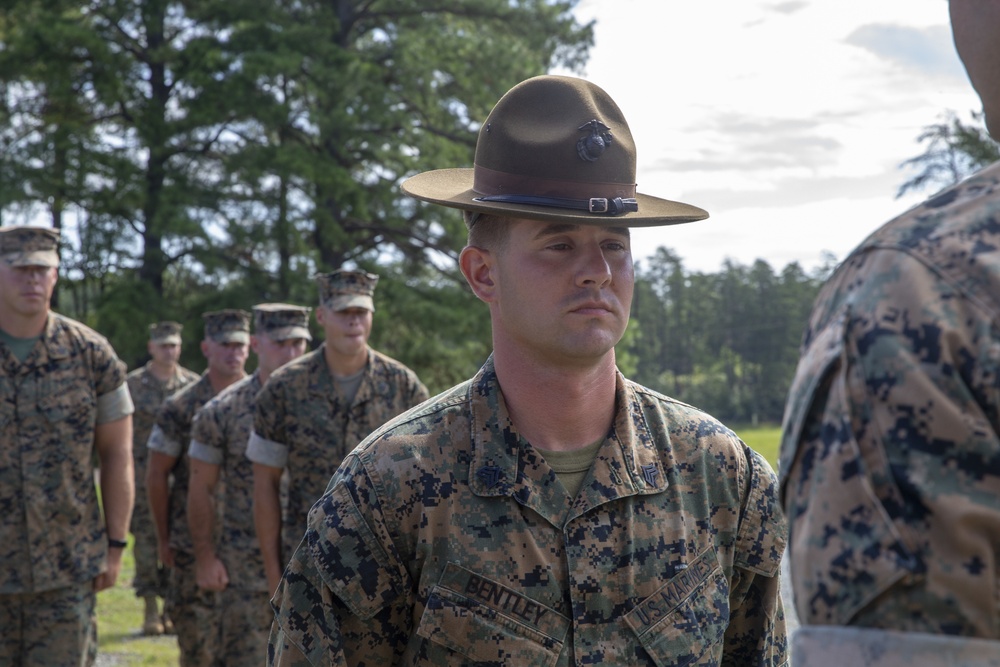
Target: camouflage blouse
x=52, y=532
x=148, y=393
x=172, y=436
x=446, y=539
x=303, y=425
x=219, y=436
x=890, y=455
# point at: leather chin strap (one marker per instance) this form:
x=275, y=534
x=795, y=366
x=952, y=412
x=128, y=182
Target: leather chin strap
x=595, y=205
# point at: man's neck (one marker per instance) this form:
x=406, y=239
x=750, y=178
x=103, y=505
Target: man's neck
x=343, y=366
x=20, y=326
x=554, y=407
x=220, y=381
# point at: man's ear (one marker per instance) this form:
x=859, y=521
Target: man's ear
x=478, y=266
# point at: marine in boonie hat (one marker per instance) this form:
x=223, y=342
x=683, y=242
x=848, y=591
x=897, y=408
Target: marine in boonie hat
x=29, y=246
x=165, y=333
x=227, y=326
x=341, y=289
x=554, y=148
x=281, y=321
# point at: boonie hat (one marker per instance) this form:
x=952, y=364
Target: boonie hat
x=166, y=333
x=341, y=290
x=281, y=321
x=553, y=148
x=227, y=326
x=29, y=246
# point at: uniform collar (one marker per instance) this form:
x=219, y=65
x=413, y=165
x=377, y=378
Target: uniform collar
x=54, y=343
x=503, y=464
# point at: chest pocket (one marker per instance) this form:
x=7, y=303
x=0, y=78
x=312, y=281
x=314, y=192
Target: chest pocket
x=472, y=618
x=681, y=622
x=75, y=408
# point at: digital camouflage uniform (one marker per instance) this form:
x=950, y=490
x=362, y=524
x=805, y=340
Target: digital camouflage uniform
x=303, y=426
x=445, y=539
x=890, y=455
x=53, y=541
x=219, y=437
x=191, y=609
x=148, y=394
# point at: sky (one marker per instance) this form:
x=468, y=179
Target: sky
x=786, y=120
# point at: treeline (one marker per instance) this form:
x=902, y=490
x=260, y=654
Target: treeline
x=213, y=154
x=726, y=342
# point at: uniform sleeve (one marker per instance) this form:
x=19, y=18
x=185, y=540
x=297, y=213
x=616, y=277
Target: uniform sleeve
x=345, y=597
x=110, y=371
x=166, y=436
x=889, y=430
x=756, y=632
x=208, y=440
x=269, y=411
x=114, y=405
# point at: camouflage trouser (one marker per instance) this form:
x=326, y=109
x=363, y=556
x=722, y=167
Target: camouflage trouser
x=195, y=614
x=246, y=623
x=55, y=628
x=150, y=579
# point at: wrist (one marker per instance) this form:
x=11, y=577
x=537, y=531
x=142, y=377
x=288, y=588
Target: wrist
x=116, y=544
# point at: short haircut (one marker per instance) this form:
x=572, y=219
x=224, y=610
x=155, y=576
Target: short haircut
x=486, y=230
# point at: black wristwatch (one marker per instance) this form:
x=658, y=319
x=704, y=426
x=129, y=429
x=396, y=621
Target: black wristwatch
x=117, y=544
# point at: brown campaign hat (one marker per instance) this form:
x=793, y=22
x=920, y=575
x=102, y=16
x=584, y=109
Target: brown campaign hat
x=29, y=246
x=341, y=290
x=281, y=321
x=554, y=148
x=166, y=333
x=227, y=326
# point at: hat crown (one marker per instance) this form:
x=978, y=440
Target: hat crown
x=22, y=245
x=343, y=289
x=166, y=329
x=554, y=135
x=276, y=316
x=219, y=323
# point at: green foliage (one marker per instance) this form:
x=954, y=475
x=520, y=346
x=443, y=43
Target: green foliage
x=766, y=440
x=218, y=154
x=955, y=149
x=433, y=324
x=724, y=342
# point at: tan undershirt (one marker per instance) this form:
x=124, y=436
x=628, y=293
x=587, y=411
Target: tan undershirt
x=571, y=467
x=347, y=385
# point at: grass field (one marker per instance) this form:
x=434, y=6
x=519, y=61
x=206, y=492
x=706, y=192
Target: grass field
x=764, y=439
x=119, y=612
x=119, y=620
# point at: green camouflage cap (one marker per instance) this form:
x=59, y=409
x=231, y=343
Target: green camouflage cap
x=281, y=321
x=341, y=290
x=166, y=333
x=29, y=246
x=227, y=326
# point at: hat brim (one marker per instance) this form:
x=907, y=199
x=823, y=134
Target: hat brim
x=288, y=333
x=170, y=339
x=453, y=188
x=48, y=258
x=232, y=337
x=345, y=301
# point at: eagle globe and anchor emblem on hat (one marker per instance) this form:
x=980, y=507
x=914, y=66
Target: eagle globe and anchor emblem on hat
x=554, y=148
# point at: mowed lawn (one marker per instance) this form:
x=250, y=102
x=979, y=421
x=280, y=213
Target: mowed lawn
x=119, y=612
x=119, y=625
